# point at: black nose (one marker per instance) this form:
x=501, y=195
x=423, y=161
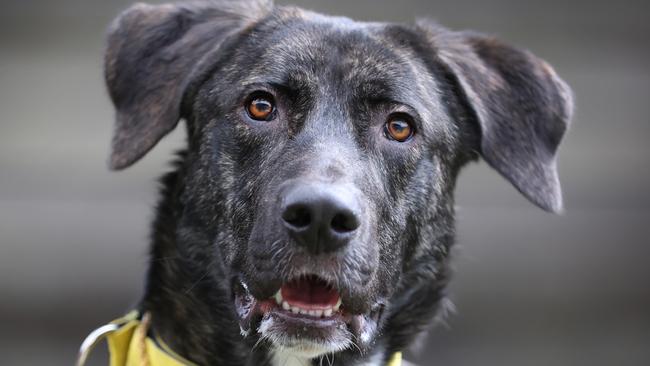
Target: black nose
x=322, y=218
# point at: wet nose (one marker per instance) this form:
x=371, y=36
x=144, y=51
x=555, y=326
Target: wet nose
x=321, y=218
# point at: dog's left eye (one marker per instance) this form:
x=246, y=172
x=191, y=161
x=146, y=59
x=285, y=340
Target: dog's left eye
x=399, y=127
x=260, y=106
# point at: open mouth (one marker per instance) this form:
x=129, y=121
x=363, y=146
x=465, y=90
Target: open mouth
x=309, y=296
x=304, y=311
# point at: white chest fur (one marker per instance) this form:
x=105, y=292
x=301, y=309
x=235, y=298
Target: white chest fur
x=285, y=358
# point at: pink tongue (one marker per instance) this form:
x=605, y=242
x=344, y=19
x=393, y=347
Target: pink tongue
x=310, y=293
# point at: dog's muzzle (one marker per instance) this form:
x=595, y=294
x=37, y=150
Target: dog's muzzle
x=322, y=218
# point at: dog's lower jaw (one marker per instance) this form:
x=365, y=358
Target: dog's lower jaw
x=300, y=348
x=297, y=351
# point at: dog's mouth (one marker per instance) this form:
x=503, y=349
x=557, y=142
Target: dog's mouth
x=309, y=296
x=307, y=314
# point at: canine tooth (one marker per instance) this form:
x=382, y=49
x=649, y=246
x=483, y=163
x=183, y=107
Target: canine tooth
x=278, y=297
x=286, y=306
x=338, y=305
x=295, y=310
x=327, y=312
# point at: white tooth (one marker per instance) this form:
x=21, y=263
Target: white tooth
x=318, y=313
x=313, y=312
x=338, y=305
x=286, y=306
x=295, y=310
x=327, y=312
x=278, y=297
x=304, y=312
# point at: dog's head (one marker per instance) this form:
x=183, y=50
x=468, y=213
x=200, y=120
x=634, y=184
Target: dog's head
x=323, y=152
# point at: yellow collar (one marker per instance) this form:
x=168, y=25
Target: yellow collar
x=129, y=344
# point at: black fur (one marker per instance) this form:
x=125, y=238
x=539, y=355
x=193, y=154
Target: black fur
x=335, y=82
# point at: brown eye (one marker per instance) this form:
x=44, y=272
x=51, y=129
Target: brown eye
x=399, y=128
x=261, y=107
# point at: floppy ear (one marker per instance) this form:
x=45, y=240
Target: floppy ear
x=152, y=53
x=523, y=108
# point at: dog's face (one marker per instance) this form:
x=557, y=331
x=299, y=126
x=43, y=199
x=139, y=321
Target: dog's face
x=334, y=140
x=323, y=152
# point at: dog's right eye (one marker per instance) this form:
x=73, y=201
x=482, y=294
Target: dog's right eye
x=260, y=106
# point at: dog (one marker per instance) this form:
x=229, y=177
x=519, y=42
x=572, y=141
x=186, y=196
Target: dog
x=311, y=216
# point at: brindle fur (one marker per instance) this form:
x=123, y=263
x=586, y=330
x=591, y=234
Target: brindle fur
x=336, y=79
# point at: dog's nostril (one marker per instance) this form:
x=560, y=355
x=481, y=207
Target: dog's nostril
x=344, y=222
x=297, y=216
x=319, y=217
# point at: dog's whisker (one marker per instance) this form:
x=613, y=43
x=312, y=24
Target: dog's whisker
x=353, y=342
x=189, y=289
x=329, y=362
x=257, y=344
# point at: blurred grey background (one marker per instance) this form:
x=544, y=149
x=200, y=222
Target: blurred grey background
x=530, y=288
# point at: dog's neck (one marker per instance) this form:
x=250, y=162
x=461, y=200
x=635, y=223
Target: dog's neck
x=193, y=313
x=190, y=311
x=283, y=358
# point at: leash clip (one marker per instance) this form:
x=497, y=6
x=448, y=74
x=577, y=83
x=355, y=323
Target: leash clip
x=92, y=340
